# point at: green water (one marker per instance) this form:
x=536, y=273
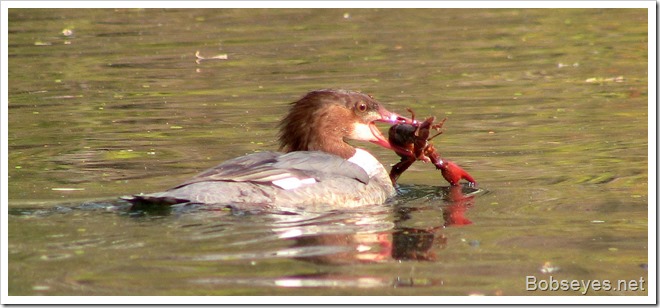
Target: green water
x=546, y=108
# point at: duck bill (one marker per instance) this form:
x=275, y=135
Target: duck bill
x=393, y=118
x=378, y=137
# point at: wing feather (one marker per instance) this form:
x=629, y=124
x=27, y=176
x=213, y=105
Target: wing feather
x=266, y=167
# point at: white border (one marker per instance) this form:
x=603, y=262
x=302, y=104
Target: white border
x=652, y=155
x=327, y=300
x=328, y=4
x=4, y=134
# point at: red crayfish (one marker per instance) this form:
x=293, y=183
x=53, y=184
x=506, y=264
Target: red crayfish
x=411, y=142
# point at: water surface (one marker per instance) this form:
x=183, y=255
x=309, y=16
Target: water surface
x=547, y=109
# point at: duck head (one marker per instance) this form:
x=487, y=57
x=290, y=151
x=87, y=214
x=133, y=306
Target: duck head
x=324, y=120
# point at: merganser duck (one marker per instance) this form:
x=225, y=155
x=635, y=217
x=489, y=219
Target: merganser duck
x=316, y=168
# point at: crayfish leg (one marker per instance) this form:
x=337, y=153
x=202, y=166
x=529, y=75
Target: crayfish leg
x=400, y=167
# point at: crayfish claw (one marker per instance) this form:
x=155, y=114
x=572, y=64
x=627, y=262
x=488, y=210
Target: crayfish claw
x=453, y=173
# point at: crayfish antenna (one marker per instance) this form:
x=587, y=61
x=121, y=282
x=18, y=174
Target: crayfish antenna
x=412, y=114
x=438, y=127
x=436, y=135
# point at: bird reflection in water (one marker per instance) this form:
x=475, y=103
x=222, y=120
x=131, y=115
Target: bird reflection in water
x=398, y=242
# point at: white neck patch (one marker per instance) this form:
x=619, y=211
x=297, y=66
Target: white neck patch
x=366, y=161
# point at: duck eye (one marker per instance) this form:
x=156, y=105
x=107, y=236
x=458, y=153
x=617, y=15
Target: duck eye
x=362, y=107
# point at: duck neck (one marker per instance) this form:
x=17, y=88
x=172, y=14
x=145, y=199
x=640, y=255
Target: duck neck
x=318, y=142
x=307, y=128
